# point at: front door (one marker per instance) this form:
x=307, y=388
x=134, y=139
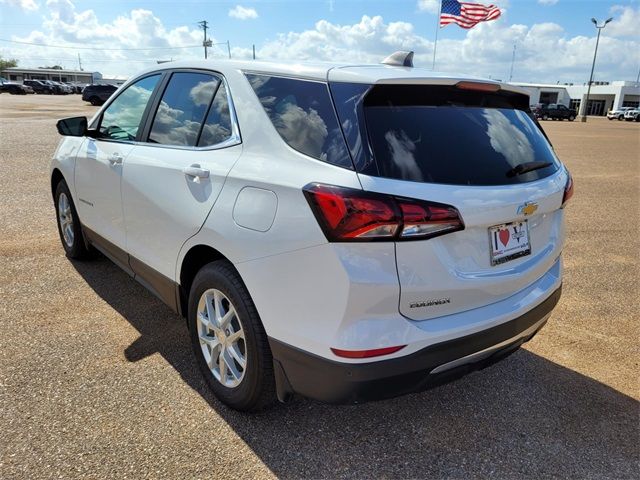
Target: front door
x=100, y=163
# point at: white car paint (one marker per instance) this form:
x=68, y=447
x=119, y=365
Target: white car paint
x=311, y=293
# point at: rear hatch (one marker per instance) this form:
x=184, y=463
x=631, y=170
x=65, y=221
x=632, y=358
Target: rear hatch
x=473, y=146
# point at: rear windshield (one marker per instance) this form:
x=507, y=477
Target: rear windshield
x=445, y=135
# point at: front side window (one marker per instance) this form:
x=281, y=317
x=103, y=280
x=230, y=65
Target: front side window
x=303, y=114
x=121, y=119
x=183, y=108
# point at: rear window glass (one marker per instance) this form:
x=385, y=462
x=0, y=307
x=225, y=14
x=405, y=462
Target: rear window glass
x=440, y=135
x=303, y=115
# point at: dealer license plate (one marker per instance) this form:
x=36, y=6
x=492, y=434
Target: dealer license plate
x=509, y=241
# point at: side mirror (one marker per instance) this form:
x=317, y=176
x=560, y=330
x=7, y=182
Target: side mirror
x=72, y=127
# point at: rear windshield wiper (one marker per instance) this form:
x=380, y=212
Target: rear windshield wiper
x=527, y=167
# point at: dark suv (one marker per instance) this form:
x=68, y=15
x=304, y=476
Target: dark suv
x=39, y=87
x=97, y=94
x=554, y=111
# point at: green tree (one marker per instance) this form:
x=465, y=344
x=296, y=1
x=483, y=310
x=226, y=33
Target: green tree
x=54, y=67
x=8, y=63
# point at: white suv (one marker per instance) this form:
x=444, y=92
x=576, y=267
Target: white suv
x=343, y=232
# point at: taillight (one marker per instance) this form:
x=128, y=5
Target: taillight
x=350, y=215
x=568, y=190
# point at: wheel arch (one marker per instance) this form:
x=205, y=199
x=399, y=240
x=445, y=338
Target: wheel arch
x=56, y=178
x=196, y=257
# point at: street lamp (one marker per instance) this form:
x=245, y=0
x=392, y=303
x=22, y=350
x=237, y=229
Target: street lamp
x=584, y=106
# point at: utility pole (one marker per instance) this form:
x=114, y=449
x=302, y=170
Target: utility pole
x=205, y=25
x=254, y=53
x=513, y=59
x=583, y=107
x=229, y=48
x=79, y=63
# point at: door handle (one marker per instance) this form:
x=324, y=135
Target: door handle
x=115, y=159
x=196, y=171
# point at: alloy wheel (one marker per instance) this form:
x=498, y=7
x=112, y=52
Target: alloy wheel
x=221, y=338
x=65, y=217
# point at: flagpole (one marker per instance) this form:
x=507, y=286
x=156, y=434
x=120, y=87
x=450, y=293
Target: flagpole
x=435, y=44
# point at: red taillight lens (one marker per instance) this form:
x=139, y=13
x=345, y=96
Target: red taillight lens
x=568, y=191
x=376, y=352
x=347, y=214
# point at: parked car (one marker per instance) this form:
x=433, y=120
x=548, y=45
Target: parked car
x=13, y=88
x=632, y=115
x=64, y=88
x=97, y=94
x=618, y=114
x=57, y=88
x=321, y=231
x=39, y=86
x=75, y=87
x=555, y=111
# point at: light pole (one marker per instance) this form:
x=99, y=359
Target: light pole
x=585, y=105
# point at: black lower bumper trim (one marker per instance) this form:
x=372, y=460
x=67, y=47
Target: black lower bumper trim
x=337, y=382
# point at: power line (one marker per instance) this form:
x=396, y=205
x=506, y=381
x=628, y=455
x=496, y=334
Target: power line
x=95, y=48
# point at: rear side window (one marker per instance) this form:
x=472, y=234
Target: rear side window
x=183, y=108
x=443, y=135
x=303, y=114
x=217, y=127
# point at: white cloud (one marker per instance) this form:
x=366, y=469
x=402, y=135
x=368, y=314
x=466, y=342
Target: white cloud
x=626, y=22
x=545, y=53
x=243, y=13
x=26, y=5
x=430, y=6
x=547, y=2
x=63, y=25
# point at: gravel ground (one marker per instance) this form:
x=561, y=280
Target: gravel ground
x=97, y=378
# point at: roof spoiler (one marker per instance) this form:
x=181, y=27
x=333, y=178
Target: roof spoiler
x=399, y=59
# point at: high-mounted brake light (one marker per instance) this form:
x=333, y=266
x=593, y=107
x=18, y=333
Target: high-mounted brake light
x=350, y=215
x=568, y=190
x=376, y=352
x=478, y=86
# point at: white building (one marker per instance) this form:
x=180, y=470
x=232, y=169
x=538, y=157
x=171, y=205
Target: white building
x=17, y=74
x=604, y=96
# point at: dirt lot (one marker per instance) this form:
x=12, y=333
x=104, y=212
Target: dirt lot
x=97, y=378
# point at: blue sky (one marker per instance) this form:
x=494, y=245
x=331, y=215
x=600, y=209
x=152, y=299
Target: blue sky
x=554, y=38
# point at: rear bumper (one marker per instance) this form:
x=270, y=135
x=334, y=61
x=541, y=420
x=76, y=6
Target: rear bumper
x=337, y=382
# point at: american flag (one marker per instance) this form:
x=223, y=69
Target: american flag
x=466, y=15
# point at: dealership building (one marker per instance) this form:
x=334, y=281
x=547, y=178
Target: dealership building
x=604, y=96
x=17, y=74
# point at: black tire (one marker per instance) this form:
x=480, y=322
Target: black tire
x=572, y=118
x=77, y=249
x=95, y=101
x=256, y=390
x=545, y=117
x=620, y=118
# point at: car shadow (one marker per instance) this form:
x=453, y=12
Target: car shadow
x=523, y=417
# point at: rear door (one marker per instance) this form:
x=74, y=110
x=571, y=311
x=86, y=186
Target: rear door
x=172, y=179
x=468, y=149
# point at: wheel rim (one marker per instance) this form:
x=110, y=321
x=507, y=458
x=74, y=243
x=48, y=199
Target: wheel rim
x=221, y=338
x=65, y=217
